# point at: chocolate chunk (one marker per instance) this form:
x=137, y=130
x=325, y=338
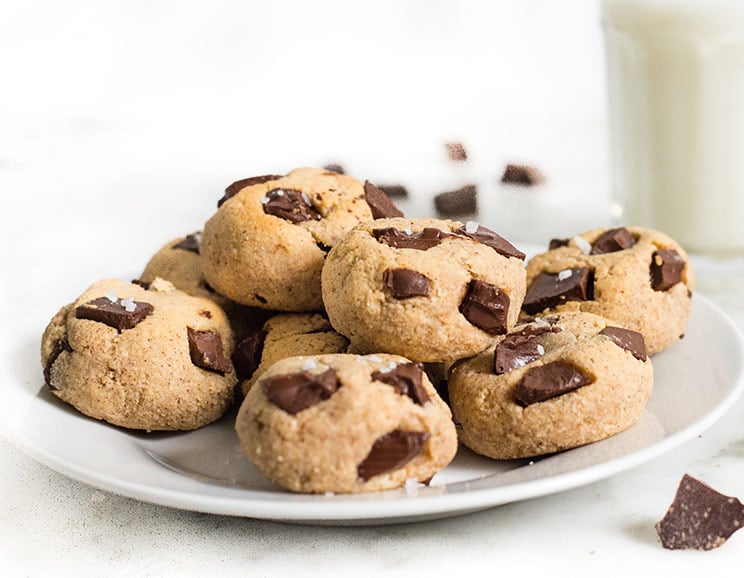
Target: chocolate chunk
x=493, y=240
x=405, y=283
x=391, y=451
x=394, y=190
x=297, y=391
x=524, y=175
x=237, y=186
x=335, y=168
x=548, y=381
x=462, y=201
x=666, y=269
x=516, y=350
x=120, y=314
x=406, y=380
x=486, y=306
x=699, y=518
x=456, y=152
x=59, y=347
x=290, y=204
x=205, y=349
x=555, y=243
x=189, y=243
x=247, y=354
x=549, y=290
x=613, y=240
x=382, y=207
x=627, y=339
x=422, y=241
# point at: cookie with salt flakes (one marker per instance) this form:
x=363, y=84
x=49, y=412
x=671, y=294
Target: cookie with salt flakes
x=147, y=359
x=346, y=423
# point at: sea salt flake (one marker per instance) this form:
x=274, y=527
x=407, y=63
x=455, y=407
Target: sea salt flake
x=129, y=304
x=408, y=231
x=374, y=358
x=412, y=487
x=540, y=349
x=471, y=227
x=309, y=364
x=265, y=200
x=111, y=296
x=582, y=244
x=565, y=274
x=305, y=198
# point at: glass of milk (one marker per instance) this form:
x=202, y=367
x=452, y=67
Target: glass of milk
x=676, y=96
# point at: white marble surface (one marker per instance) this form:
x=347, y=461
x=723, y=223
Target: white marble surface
x=152, y=108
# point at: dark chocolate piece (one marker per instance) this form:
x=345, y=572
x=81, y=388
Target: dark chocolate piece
x=462, y=201
x=190, y=242
x=548, y=381
x=237, y=186
x=59, y=347
x=382, y=207
x=486, y=306
x=515, y=351
x=247, y=354
x=422, y=240
x=406, y=380
x=390, y=452
x=405, y=283
x=394, y=190
x=205, y=349
x=555, y=243
x=549, y=290
x=297, y=391
x=523, y=175
x=666, y=269
x=120, y=314
x=699, y=518
x=613, y=240
x=627, y=339
x=335, y=168
x=290, y=204
x=493, y=240
x=456, y=152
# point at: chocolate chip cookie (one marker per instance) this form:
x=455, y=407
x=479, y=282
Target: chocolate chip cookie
x=430, y=290
x=266, y=244
x=551, y=384
x=346, y=423
x=640, y=278
x=148, y=359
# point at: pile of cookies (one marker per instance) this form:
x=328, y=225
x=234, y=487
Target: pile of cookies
x=362, y=346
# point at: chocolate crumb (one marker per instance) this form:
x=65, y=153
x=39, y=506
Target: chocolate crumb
x=295, y=392
x=246, y=356
x=335, y=168
x=379, y=203
x=237, y=186
x=666, y=269
x=205, y=349
x=394, y=190
x=486, y=306
x=290, y=204
x=190, y=242
x=426, y=239
x=391, y=452
x=523, y=175
x=406, y=379
x=116, y=314
x=545, y=382
x=406, y=283
x=462, y=201
x=555, y=243
x=456, y=152
x=628, y=339
x=549, y=290
x=493, y=240
x=612, y=241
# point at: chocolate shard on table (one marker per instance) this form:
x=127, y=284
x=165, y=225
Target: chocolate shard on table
x=523, y=175
x=456, y=151
x=613, y=240
x=246, y=356
x=515, y=351
x=699, y=518
x=290, y=204
x=426, y=239
x=120, y=314
x=491, y=239
x=237, y=186
x=335, y=168
x=190, y=242
x=666, y=269
x=406, y=283
x=549, y=290
x=394, y=190
x=379, y=203
x=295, y=392
x=461, y=201
x=545, y=382
x=628, y=339
x=406, y=380
x=555, y=243
x=391, y=452
x=486, y=306
x=205, y=349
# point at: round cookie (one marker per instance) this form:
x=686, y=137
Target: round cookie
x=640, y=278
x=428, y=289
x=266, y=244
x=284, y=335
x=346, y=423
x=148, y=359
x=552, y=384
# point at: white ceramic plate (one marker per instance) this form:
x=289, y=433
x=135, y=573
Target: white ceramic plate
x=697, y=380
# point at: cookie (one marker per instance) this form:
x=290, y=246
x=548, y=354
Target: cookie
x=284, y=335
x=430, y=290
x=266, y=244
x=640, y=278
x=146, y=359
x=346, y=423
x=552, y=384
